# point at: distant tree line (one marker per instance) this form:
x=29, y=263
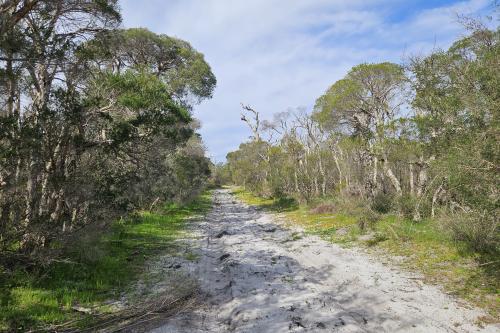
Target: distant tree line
x=419, y=139
x=95, y=121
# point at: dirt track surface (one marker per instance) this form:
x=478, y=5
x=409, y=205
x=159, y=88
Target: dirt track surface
x=257, y=276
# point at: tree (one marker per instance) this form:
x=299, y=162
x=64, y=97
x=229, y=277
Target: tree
x=91, y=129
x=364, y=104
x=188, y=77
x=458, y=102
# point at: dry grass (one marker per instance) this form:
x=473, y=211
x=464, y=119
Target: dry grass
x=324, y=208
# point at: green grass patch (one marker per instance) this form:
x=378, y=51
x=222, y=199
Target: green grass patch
x=272, y=204
x=423, y=246
x=97, y=267
x=444, y=261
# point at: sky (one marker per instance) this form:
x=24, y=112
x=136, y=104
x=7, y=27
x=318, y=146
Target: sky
x=280, y=54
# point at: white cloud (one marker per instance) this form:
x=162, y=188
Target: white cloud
x=275, y=54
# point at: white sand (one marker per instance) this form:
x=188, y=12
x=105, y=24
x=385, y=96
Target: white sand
x=255, y=276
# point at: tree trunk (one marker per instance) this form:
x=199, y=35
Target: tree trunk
x=422, y=180
x=374, y=185
x=337, y=165
x=394, y=180
x=296, y=180
x=30, y=192
x=435, y=197
x=412, y=180
x=323, y=175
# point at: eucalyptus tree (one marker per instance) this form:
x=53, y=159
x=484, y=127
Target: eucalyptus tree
x=88, y=125
x=421, y=141
x=184, y=78
x=187, y=75
x=364, y=104
x=458, y=103
x=37, y=47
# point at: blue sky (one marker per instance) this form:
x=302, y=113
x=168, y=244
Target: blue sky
x=280, y=54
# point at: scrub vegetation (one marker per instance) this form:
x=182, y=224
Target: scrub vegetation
x=96, y=135
x=101, y=162
x=399, y=157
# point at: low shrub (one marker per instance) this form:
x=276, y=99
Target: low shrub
x=377, y=238
x=382, y=203
x=324, y=208
x=480, y=231
x=352, y=205
x=88, y=248
x=406, y=206
x=413, y=208
x=367, y=219
x=285, y=204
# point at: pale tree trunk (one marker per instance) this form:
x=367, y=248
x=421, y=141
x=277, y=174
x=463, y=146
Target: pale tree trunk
x=374, y=185
x=422, y=174
x=30, y=192
x=411, y=180
x=56, y=214
x=44, y=197
x=422, y=180
x=42, y=81
x=394, y=180
x=307, y=175
x=296, y=180
x=435, y=197
x=6, y=177
x=316, y=186
x=11, y=86
x=337, y=165
x=323, y=174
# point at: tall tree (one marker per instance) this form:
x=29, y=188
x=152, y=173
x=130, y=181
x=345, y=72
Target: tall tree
x=364, y=104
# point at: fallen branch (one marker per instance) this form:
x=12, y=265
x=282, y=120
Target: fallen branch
x=488, y=263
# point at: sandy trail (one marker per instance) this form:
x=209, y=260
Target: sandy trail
x=257, y=276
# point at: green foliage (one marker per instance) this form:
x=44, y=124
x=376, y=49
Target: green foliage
x=186, y=74
x=112, y=134
x=420, y=142
x=407, y=204
x=220, y=175
x=367, y=90
x=481, y=232
x=94, y=268
x=248, y=168
x=440, y=155
x=458, y=89
x=382, y=202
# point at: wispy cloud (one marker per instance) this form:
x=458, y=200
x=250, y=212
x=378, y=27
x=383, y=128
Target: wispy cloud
x=276, y=54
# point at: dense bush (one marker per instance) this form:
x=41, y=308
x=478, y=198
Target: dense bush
x=102, y=127
x=382, y=202
x=481, y=232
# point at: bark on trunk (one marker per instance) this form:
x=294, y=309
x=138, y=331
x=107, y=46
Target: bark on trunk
x=323, y=175
x=412, y=180
x=394, y=180
x=435, y=197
